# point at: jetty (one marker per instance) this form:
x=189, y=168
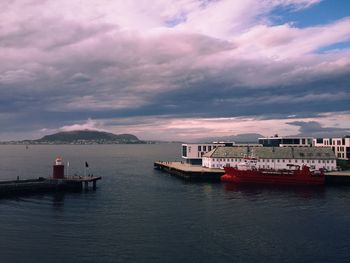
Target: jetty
x=44, y=185
x=338, y=178
x=57, y=182
x=198, y=173
x=188, y=171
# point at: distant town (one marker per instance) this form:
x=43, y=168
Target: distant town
x=83, y=137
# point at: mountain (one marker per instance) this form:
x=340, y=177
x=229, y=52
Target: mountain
x=239, y=138
x=88, y=136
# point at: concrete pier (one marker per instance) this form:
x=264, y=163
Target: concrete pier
x=199, y=173
x=338, y=178
x=40, y=185
x=189, y=172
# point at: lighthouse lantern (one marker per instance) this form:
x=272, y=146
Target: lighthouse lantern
x=58, y=169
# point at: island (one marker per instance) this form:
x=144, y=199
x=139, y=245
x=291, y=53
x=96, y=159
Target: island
x=83, y=137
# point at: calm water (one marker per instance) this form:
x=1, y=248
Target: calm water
x=138, y=214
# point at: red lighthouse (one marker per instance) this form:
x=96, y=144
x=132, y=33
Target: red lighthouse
x=58, y=169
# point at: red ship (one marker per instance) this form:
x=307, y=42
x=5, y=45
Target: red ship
x=246, y=172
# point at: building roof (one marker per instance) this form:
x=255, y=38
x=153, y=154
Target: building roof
x=273, y=152
x=287, y=137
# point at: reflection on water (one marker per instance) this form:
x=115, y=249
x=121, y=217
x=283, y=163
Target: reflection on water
x=138, y=214
x=58, y=199
x=307, y=192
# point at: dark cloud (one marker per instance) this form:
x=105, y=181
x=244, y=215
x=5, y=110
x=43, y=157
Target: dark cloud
x=57, y=71
x=315, y=129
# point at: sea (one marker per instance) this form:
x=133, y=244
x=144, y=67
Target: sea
x=139, y=214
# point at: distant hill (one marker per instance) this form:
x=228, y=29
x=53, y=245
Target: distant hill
x=88, y=136
x=239, y=138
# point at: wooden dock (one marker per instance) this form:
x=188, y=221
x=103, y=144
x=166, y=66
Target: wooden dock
x=189, y=172
x=41, y=185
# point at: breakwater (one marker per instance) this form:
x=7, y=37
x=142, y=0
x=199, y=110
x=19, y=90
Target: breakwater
x=41, y=185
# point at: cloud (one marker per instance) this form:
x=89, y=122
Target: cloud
x=80, y=77
x=315, y=129
x=192, y=129
x=14, y=76
x=88, y=125
x=285, y=41
x=186, y=59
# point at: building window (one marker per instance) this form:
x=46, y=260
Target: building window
x=209, y=148
x=199, y=148
x=204, y=148
x=296, y=161
x=184, y=151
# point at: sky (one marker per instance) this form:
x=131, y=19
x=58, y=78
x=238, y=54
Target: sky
x=174, y=70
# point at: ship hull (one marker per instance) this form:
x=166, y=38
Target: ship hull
x=297, y=177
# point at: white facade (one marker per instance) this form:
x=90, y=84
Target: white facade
x=193, y=152
x=340, y=146
x=272, y=157
x=196, y=151
x=262, y=163
x=286, y=141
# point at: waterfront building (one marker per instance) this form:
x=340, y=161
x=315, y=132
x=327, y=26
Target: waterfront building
x=272, y=157
x=192, y=152
x=340, y=146
x=286, y=141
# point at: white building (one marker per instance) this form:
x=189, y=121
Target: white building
x=193, y=152
x=272, y=157
x=286, y=141
x=340, y=146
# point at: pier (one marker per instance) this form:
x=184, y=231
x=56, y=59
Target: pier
x=338, y=178
x=188, y=171
x=199, y=173
x=57, y=182
x=42, y=185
